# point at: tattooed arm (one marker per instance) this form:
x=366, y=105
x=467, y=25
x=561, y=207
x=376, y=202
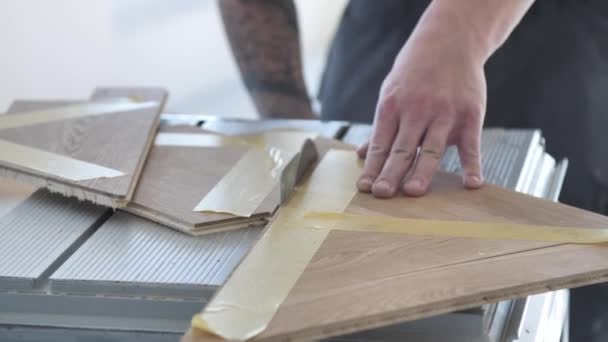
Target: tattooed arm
x=265, y=41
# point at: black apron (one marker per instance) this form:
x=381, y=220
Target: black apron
x=552, y=74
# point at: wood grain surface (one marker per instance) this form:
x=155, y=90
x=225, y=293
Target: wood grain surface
x=175, y=179
x=361, y=280
x=120, y=141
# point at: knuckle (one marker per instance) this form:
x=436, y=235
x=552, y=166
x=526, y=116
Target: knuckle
x=378, y=150
x=403, y=154
x=431, y=152
x=470, y=153
x=472, y=112
x=423, y=108
x=387, y=105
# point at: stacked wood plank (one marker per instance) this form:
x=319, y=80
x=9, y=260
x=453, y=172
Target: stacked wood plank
x=118, y=141
x=177, y=177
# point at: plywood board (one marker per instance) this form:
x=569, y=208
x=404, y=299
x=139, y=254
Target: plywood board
x=118, y=141
x=361, y=280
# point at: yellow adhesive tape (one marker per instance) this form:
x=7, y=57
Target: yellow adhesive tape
x=479, y=230
x=52, y=164
x=247, y=184
x=70, y=112
x=245, y=305
x=241, y=191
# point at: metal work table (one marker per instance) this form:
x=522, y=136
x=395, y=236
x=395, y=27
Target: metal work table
x=98, y=275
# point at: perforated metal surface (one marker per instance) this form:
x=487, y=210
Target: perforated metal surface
x=504, y=154
x=133, y=256
x=38, y=233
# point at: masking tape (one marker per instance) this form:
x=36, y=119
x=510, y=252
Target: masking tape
x=245, y=305
x=70, y=112
x=479, y=230
x=53, y=164
x=241, y=191
x=246, y=185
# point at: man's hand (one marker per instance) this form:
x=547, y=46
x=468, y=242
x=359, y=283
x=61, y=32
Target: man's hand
x=434, y=97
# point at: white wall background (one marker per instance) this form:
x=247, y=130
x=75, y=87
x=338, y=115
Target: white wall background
x=64, y=48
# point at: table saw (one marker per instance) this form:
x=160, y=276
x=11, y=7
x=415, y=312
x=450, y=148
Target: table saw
x=120, y=277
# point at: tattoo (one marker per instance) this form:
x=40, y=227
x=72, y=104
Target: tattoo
x=288, y=8
x=264, y=38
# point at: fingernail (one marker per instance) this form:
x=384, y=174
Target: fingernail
x=414, y=183
x=365, y=184
x=382, y=189
x=473, y=181
x=413, y=188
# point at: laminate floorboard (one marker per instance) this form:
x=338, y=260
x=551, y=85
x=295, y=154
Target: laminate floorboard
x=362, y=280
x=119, y=141
x=175, y=179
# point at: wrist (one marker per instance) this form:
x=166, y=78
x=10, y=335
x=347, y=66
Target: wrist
x=446, y=28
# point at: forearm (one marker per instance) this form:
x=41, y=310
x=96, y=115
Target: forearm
x=479, y=25
x=265, y=41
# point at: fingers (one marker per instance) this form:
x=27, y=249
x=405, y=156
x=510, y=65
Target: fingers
x=362, y=150
x=385, y=130
x=429, y=157
x=469, y=151
x=401, y=158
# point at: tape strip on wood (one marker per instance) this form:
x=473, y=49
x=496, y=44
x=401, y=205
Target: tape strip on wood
x=245, y=305
x=53, y=164
x=70, y=112
x=477, y=230
x=241, y=191
x=245, y=186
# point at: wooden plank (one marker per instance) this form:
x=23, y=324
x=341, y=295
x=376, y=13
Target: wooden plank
x=119, y=141
x=385, y=271
x=177, y=177
x=357, y=281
